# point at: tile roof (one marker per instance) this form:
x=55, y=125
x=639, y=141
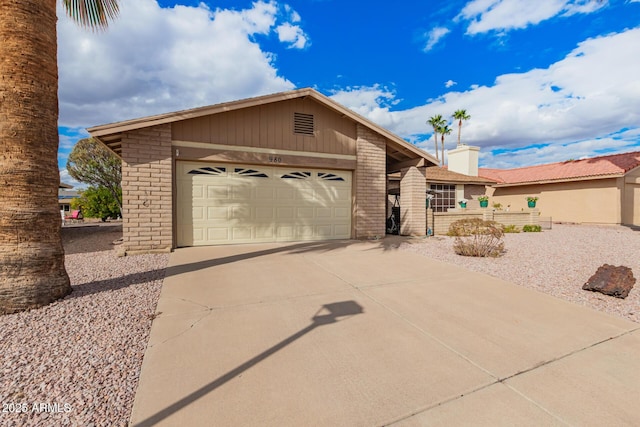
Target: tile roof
x=437, y=173
x=595, y=167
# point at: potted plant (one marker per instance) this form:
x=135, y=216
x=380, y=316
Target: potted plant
x=463, y=203
x=484, y=201
x=531, y=201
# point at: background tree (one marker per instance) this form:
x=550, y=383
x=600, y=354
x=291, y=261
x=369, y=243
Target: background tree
x=32, y=270
x=436, y=122
x=97, y=202
x=93, y=163
x=443, y=130
x=460, y=115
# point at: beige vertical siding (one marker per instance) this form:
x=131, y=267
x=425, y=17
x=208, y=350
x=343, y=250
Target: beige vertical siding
x=271, y=126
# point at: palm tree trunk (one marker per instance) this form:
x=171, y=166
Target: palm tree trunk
x=32, y=270
x=459, y=130
x=442, y=162
x=435, y=137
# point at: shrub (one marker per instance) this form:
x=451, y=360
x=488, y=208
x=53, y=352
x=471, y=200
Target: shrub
x=497, y=206
x=531, y=228
x=483, y=198
x=510, y=229
x=475, y=237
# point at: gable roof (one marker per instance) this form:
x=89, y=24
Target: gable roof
x=610, y=166
x=111, y=134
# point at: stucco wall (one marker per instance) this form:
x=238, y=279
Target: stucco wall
x=631, y=198
x=590, y=201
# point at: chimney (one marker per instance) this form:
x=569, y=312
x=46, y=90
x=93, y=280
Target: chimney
x=464, y=159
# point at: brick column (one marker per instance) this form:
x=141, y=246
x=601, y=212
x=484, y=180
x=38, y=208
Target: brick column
x=371, y=184
x=147, y=224
x=413, y=193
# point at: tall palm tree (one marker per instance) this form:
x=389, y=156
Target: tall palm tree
x=436, y=122
x=32, y=270
x=443, y=130
x=460, y=115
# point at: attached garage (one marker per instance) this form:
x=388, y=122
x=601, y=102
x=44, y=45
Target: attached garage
x=292, y=166
x=220, y=203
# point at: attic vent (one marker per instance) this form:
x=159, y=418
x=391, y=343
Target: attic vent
x=303, y=124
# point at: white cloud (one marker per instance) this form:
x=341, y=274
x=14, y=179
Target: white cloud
x=505, y=15
x=293, y=35
x=588, y=96
x=154, y=60
x=373, y=102
x=434, y=36
x=450, y=83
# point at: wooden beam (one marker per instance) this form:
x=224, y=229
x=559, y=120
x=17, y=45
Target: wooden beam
x=398, y=166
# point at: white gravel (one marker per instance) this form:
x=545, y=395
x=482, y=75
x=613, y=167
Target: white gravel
x=557, y=262
x=76, y=362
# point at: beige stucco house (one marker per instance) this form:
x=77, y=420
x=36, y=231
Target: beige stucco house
x=598, y=190
x=284, y=167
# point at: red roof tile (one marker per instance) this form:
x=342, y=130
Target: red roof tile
x=615, y=164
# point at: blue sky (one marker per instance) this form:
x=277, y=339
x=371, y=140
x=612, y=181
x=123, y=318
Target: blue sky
x=543, y=81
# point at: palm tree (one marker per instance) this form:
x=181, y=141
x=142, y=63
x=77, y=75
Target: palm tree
x=436, y=122
x=32, y=270
x=444, y=130
x=460, y=115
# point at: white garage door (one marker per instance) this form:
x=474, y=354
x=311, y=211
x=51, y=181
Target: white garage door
x=228, y=203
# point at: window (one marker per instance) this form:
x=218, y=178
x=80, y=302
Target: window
x=445, y=197
x=303, y=124
x=297, y=175
x=208, y=171
x=251, y=172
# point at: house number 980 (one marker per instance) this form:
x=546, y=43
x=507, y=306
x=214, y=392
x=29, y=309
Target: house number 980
x=274, y=159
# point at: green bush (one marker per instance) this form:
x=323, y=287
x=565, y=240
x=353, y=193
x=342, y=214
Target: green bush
x=476, y=237
x=510, y=229
x=97, y=202
x=531, y=228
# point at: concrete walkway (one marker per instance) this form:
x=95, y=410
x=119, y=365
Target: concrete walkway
x=362, y=334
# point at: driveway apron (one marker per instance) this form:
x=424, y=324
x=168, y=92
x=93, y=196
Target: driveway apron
x=360, y=333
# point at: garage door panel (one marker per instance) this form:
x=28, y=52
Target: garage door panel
x=221, y=204
x=217, y=213
x=217, y=233
x=342, y=213
x=216, y=192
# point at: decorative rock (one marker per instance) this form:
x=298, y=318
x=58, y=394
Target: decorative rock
x=611, y=280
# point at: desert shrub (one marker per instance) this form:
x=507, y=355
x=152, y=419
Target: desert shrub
x=476, y=237
x=531, y=228
x=469, y=226
x=510, y=229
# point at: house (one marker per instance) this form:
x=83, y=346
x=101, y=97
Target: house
x=598, y=190
x=65, y=195
x=284, y=167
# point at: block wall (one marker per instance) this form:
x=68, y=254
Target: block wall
x=371, y=184
x=147, y=224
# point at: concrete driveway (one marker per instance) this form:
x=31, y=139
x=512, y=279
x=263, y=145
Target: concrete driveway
x=362, y=334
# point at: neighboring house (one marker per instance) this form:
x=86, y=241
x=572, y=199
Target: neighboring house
x=65, y=195
x=284, y=167
x=598, y=190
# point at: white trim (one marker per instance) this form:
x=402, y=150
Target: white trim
x=244, y=149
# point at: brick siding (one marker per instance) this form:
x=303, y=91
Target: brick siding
x=147, y=224
x=413, y=187
x=371, y=184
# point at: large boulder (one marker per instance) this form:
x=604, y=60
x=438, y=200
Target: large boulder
x=611, y=280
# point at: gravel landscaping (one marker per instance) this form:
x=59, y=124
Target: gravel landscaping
x=77, y=361
x=557, y=262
